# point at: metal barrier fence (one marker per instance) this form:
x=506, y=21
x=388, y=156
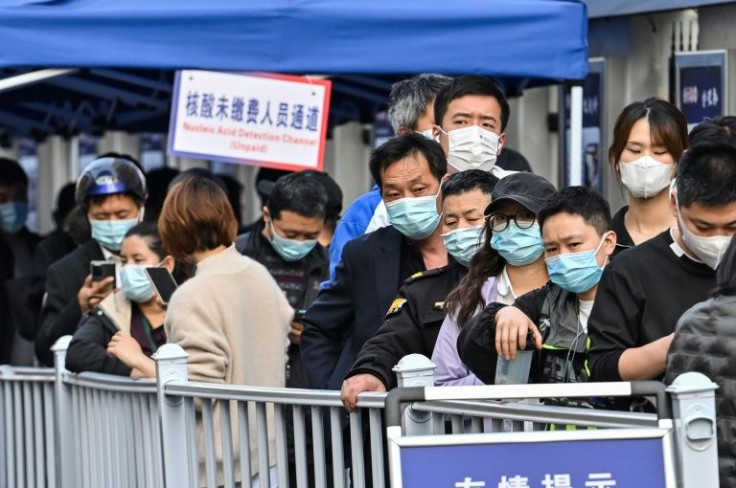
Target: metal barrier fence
x=27, y=427
x=90, y=430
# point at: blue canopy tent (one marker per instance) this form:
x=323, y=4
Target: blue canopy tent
x=118, y=56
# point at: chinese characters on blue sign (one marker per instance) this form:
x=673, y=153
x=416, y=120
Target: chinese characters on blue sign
x=701, y=93
x=600, y=463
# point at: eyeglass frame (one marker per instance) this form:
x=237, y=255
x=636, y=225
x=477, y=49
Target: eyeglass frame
x=525, y=223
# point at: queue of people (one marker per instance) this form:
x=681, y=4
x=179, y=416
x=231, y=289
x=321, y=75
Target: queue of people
x=450, y=255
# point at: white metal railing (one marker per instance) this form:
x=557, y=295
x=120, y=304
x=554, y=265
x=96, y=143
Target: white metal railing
x=58, y=429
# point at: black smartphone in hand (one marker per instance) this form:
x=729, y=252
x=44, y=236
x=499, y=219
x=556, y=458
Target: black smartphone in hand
x=101, y=270
x=163, y=282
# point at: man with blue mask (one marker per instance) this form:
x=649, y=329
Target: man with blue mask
x=577, y=241
x=112, y=191
x=413, y=322
x=285, y=241
x=346, y=313
x=21, y=244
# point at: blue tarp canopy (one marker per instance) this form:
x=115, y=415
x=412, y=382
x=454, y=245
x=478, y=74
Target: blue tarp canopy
x=521, y=43
x=612, y=8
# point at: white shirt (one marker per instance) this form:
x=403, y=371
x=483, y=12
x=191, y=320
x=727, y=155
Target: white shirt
x=585, y=306
x=504, y=290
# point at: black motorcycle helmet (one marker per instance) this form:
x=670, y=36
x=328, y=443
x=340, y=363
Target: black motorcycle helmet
x=108, y=176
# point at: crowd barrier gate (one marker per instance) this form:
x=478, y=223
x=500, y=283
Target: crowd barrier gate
x=64, y=430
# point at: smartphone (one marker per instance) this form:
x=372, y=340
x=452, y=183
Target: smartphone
x=298, y=315
x=101, y=270
x=163, y=282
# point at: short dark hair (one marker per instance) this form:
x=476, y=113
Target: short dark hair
x=726, y=272
x=406, y=146
x=196, y=216
x=12, y=173
x=582, y=201
x=300, y=193
x=667, y=124
x=706, y=175
x=719, y=129
x=465, y=181
x=409, y=98
x=471, y=85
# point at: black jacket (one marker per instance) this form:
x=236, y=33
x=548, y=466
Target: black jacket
x=88, y=349
x=316, y=269
x=60, y=314
x=412, y=323
x=555, y=312
x=351, y=308
x=705, y=342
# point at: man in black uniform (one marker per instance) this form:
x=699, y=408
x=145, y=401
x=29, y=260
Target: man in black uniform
x=415, y=316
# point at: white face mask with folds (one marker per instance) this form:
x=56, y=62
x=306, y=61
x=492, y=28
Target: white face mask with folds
x=709, y=250
x=472, y=148
x=646, y=177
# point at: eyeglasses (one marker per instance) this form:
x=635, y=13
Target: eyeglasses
x=523, y=219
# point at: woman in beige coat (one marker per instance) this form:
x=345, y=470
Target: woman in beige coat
x=231, y=317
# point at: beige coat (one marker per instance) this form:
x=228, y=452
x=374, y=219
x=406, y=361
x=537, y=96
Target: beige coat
x=233, y=321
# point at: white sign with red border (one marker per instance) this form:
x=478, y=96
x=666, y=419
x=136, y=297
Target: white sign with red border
x=270, y=120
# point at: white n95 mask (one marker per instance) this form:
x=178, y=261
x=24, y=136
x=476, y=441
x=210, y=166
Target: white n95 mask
x=472, y=148
x=645, y=177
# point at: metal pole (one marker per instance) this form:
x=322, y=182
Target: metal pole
x=416, y=370
x=171, y=367
x=25, y=79
x=576, y=135
x=65, y=449
x=696, y=446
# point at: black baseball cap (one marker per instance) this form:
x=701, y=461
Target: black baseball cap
x=526, y=189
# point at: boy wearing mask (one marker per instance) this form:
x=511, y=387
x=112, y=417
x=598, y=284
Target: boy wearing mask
x=576, y=229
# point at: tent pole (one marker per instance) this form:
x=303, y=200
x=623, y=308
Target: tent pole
x=31, y=78
x=576, y=135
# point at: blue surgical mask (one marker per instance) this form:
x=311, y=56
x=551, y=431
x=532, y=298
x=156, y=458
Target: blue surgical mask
x=290, y=249
x=415, y=217
x=135, y=283
x=518, y=246
x=13, y=216
x=575, y=272
x=463, y=244
x=110, y=233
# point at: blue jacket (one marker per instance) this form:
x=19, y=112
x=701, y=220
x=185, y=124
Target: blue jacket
x=353, y=224
x=352, y=307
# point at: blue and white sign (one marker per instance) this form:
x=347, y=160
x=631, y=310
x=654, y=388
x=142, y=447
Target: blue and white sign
x=566, y=459
x=701, y=84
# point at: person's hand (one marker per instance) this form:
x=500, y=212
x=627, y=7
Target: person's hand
x=512, y=328
x=295, y=333
x=359, y=383
x=93, y=292
x=126, y=349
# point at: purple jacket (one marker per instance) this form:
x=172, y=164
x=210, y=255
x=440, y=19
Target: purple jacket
x=450, y=369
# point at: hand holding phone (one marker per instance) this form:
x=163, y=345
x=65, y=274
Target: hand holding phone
x=164, y=284
x=101, y=270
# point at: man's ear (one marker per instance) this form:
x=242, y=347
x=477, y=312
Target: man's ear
x=609, y=243
x=266, y=214
x=169, y=263
x=501, y=142
x=436, y=133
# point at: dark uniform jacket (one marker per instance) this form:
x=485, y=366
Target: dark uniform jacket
x=60, y=313
x=316, y=270
x=412, y=323
x=555, y=312
x=351, y=308
x=705, y=342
